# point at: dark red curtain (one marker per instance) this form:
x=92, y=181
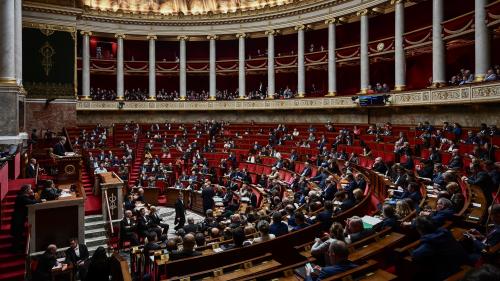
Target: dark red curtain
x=102, y=81
x=197, y=50
x=418, y=71
x=227, y=49
x=167, y=50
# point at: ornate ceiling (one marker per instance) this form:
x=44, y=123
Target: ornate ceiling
x=186, y=7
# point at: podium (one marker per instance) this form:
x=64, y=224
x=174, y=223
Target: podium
x=54, y=222
x=150, y=194
x=111, y=190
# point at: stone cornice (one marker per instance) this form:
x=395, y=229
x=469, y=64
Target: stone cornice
x=473, y=93
x=285, y=16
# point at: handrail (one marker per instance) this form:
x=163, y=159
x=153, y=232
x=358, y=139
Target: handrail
x=109, y=211
x=27, y=266
x=66, y=134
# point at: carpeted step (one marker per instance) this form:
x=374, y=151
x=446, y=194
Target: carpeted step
x=12, y=276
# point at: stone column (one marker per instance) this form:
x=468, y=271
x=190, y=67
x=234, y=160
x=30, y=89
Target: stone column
x=438, y=55
x=270, y=64
x=152, y=67
x=120, y=91
x=332, y=60
x=364, y=58
x=212, y=68
x=399, y=52
x=241, y=65
x=86, y=66
x=482, y=45
x=301, y=70
x=7, y=43
x=18, y=7
x=182, y=66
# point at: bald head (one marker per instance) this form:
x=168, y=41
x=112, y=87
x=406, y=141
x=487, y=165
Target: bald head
x=188, y=242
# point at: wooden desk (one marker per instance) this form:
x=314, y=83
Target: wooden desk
x=238, y=274
x=372, y=249
x=150, y=194
x=54, y=222
x=59, y=274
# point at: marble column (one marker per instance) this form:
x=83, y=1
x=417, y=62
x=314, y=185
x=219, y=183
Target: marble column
x=241, y=65
x=152, y=67
x=332, y=60
x=7, y=43
x=438, y=51
x=301, y=70
x=212, y=68
x=270, y=64
x=120, y=91
x=363, y=53
x=86, y=65
x=182, y=66
x=18, y=7
x=399, y=52
x=482, y=45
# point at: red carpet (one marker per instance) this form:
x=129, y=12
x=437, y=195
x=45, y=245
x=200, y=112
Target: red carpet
x=92, y=205
x=15, y=185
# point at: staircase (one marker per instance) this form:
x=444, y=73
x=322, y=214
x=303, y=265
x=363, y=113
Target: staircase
x=138, y=160
x=12, y=265
x=95, y=233
x=92, y=202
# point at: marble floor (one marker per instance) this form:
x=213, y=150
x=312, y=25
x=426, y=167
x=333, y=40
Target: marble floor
x=168, y=216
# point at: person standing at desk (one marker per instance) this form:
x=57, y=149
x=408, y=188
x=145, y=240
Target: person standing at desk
x=180, y=213
x=59, y=149
x=24, y=198
x=78, y=255
x=50, y=192
x=207, y=194
x=31, y=169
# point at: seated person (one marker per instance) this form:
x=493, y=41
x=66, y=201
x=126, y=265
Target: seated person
x=156, y=220
x=191, y=227
x=300, y=221
x=239, y=238
x=319, y=249
x=439, y=255
x=278, y=227
x=263, y=227
x=325, y=217
x=127, y=229
x=188, y=244
x=492, y=237
x=50, y=192
x=78, y=255
x=444, y=212
x=338, y=254
x=151, y=246
x=346, y=202
x=390, y=219
x=355, y=230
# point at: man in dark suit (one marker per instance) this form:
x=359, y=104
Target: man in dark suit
x=338, y=254
x=355, y=230
x=59, y=147
x=156, y=221
x=152, y=245
x=207, y=194
x=188, y=244
x=180, y=213
x=307, y=171
x=325, y=217
x=439, y=255
x=191, y=227
x=78, y=255
x=127, y=229
x=31, y=169
x=482, y=179
x=330, y=189
x=144, y=227
x=45, y=264
x=23, y=199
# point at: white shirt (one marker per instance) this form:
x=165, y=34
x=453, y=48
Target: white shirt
x=100, y=170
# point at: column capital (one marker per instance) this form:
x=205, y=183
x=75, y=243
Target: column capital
x=120, y=35
x=336, y=20
x=369, y=12
x=394, y=2
x=300, y=27
x=86, y=32
x=241, y=35
x=151, y=37
x=212, y=37
x=182, y=37
x=271, y=32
